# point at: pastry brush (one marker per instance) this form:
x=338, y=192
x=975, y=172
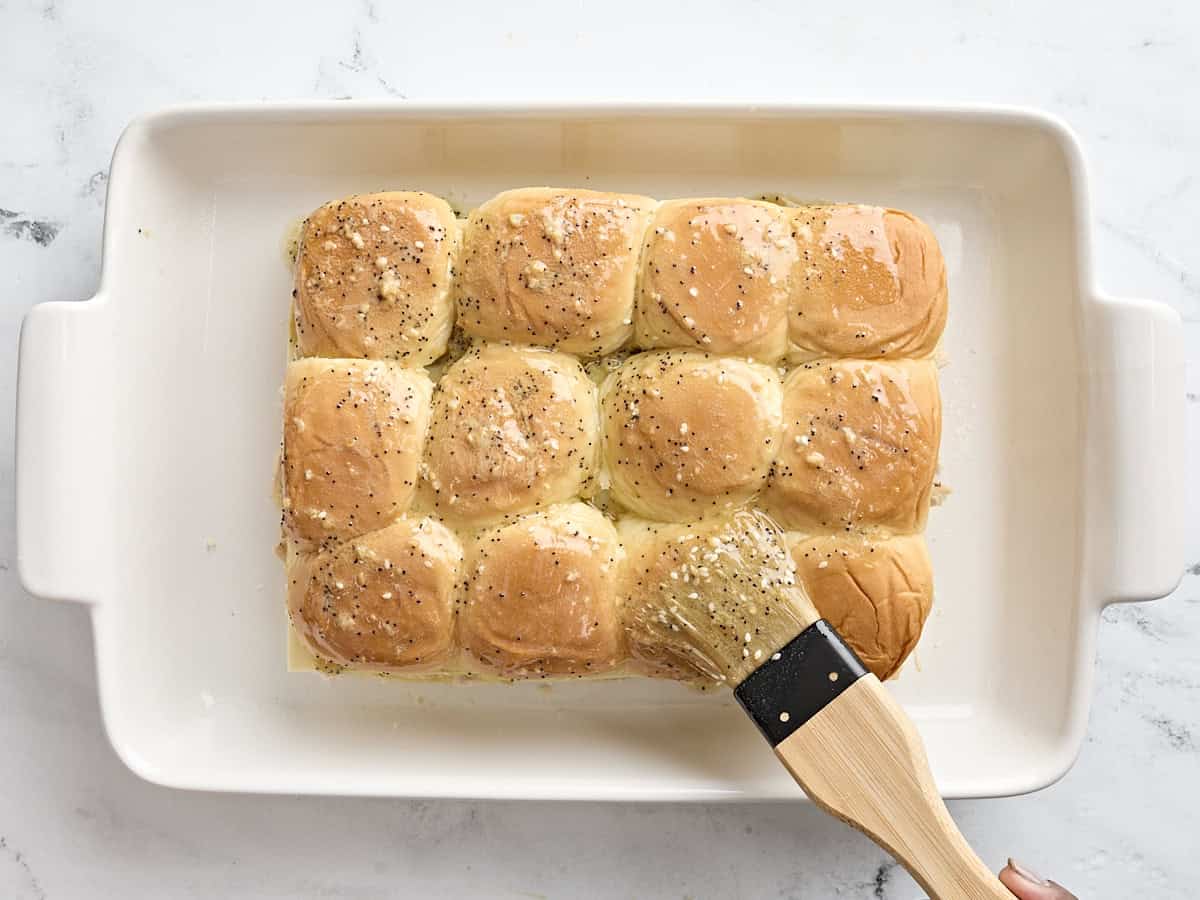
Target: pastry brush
x=723, y=603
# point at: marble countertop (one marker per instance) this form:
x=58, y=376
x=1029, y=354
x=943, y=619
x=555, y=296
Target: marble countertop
x=75, y=823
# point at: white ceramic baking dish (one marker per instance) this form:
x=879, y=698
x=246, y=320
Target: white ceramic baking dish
x=148, y=421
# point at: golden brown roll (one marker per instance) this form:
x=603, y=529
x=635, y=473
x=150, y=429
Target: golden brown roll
x=383, y=601
x=688, y=435
x=876, y=592
x=870, y=282
x=715, y=276
x=513, y=428
x=860, y=446
x=353, y=431
x=553, y=267
x=541, y=595
x=373, y=278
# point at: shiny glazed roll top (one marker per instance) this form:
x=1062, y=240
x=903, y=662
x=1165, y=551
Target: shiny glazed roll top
x=541, y=596
x=859, y=447
x=869, y=282
x=512, y=429
x=553, y=267
x=353, y=433
x=383, y=601
x=373, y=278
x=715, y=276
x=688, y=435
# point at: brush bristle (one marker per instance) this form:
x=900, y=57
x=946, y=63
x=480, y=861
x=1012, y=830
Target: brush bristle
x=713, y=600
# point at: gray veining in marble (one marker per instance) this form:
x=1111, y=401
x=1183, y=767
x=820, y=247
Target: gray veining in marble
x=75, y=824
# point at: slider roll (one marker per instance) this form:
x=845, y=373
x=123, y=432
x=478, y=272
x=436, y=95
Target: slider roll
x=811, y=671
x=373, y=277
x=554, y=268
x=715, y=277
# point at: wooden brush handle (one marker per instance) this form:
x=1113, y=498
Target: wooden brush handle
x=861, y=759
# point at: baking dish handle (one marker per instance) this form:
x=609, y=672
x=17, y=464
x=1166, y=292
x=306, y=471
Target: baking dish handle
x=1135, y=448
x=63, y=415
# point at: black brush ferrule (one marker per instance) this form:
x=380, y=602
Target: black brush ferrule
x=799, y=681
